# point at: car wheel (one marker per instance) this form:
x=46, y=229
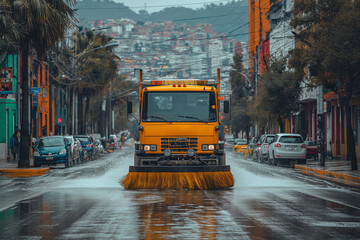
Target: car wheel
x=274, y=160
x=67, y=164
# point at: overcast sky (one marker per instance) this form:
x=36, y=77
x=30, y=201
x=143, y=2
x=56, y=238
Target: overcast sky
x=157, y=5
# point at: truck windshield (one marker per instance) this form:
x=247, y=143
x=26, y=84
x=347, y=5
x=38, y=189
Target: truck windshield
x=179, y=107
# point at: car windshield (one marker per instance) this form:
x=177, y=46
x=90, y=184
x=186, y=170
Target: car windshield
x=290, y=139
x=51, y=142
x=241, y=142
x=269, y=139
x=69, y=139
x=83, y=139
x=179, y=107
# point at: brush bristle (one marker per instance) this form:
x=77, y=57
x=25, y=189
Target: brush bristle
x=178, y=180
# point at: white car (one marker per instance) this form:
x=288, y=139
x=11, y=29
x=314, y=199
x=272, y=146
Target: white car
x=287, y=148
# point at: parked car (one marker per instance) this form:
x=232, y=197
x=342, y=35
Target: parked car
x=312, y=149
x=87, y=144
x=261, y=151
x=100, y=147
x=76, y=149
x=287, y=148
x=242, y=147
x=253, y=144
x=112, y=142
x=229, y=141
x=52, y=150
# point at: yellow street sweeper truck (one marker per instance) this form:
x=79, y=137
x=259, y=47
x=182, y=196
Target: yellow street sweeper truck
x=179, y=145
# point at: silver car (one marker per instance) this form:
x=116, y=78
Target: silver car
x=287, y=148
x=262, y=150
x=76, y=149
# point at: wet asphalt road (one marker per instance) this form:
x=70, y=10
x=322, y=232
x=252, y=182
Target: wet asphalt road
x=87, y=202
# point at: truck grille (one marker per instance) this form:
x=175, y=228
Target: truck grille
x=179, y=144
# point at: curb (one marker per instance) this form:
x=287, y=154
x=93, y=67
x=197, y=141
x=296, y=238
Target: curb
x=334, y=176
x=23, y=172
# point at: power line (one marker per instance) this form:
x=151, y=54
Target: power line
x=154, y=6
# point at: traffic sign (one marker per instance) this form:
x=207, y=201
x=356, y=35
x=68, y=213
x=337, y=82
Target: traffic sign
x=35, y=90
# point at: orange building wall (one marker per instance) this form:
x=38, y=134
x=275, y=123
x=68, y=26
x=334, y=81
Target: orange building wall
x=43, y=108
x=259, y=25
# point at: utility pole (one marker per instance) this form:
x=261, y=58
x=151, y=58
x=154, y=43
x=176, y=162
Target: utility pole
x=320, y=125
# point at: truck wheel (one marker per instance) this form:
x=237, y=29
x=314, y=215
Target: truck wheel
x=222, y=160
x=137, y=160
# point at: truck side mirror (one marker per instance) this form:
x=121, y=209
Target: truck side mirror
x=129, y=107
x=226, y=106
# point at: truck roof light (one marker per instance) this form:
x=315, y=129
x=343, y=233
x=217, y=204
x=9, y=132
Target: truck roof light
x=179, y=85
x=156, y=82
x=145, y=89
x=202, y=82
x=184, y=85
x=174, y=85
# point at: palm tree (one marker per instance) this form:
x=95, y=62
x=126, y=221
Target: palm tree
x=96, y=69
x=44, y=22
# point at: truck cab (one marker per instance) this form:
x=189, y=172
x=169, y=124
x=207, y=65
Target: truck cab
x=179, y=123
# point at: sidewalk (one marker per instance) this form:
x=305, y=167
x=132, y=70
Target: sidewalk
x=334, y=170
x=8, y=168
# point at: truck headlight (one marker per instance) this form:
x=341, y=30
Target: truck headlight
x=210, y=147
x=36, y=154
x=150, y=147
x=62, y=151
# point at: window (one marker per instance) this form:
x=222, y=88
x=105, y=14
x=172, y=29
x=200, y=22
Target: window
x=290, y=139
x=179, y=107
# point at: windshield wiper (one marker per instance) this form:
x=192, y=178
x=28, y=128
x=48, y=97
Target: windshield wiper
x=164, y=119
x=190, y=117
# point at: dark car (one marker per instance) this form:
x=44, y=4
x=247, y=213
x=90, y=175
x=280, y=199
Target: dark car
x=52, y=150
x=87, y=144
x=312, y=149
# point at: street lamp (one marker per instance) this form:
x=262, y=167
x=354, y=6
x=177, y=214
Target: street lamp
x=97, y=48
x=74, y=73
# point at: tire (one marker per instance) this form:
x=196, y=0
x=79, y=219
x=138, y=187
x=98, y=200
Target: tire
x=137, y=160
x=301, y=161
x=222, y=160
x=68, y=162
x=275, y=161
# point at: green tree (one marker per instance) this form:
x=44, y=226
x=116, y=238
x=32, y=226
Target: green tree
x=329, y=33
x=90, y=69
x=240, y=120
x=96, y=68
x=281, y=90
x=43, y=23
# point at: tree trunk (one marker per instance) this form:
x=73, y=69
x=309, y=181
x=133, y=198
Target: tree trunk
x=351, y=153
x=281, y=124
x=80, y=114
x=247, y=135
x=87, y=112
x=24, y=156
x=70, y=115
